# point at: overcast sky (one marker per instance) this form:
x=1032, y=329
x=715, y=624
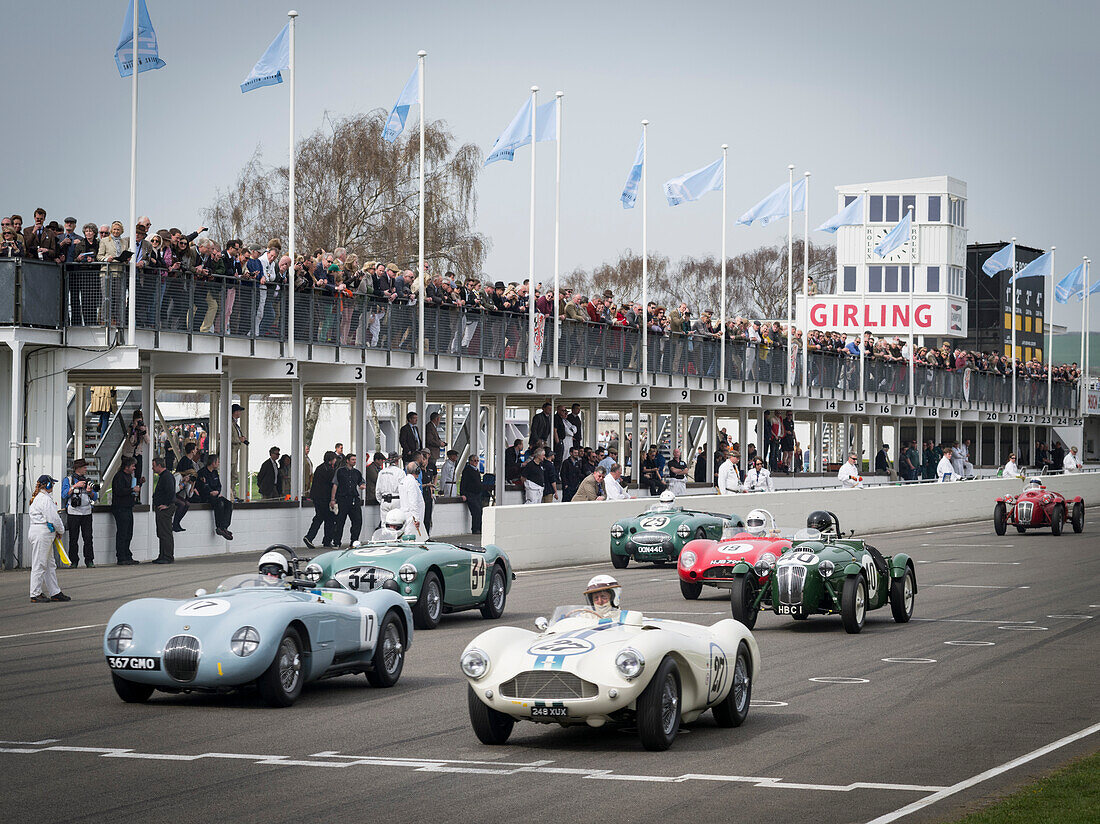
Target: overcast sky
x=1002, y=95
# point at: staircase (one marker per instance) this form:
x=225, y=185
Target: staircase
x=91, y=444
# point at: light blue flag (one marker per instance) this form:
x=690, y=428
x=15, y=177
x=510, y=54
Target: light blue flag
x=1038, y=268
x=1072, y=285
x=694, y=185
x=148, y=55
x=518, y=133
x=630, y=190
x=896, y=236
x=269, y=69
x=775, y=205
x=850, y=215
x=410, y=96
x=1095, y=288
x=998, y=261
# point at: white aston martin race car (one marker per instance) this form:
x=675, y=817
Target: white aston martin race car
x=616, y=668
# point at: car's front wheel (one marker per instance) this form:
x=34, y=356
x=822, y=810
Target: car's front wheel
x=490, y=726
x=131, y=691
x=496, y=596
x=853, y=603
x=659, y=708
x=389, y=654
x=691, y=590
x=1057, y=519
x=1078, y=517
x=429, y=606
x=281, y=683
x=619, y=561
x=734, y=708
x=902, y=591
x=1000, y=519
x=743, y=604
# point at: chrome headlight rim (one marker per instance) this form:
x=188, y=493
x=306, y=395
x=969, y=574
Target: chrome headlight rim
x=765, y=564
x=474, y=663
x=313, y=572
x=245, y=641
x=630, y=663
x=826, y=567
x=688, y=559
x=407, y=573
x=683, y=531
x=120, y=638
x=617, y=531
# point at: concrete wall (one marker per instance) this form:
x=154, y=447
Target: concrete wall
x=577, y=533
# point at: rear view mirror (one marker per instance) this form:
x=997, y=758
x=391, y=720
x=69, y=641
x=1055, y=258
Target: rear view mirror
x=541, y=624
x=200, y=592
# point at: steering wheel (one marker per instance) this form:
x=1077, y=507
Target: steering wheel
x=571, y=613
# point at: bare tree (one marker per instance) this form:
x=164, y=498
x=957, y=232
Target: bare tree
x=355, y=190
x=624, y=278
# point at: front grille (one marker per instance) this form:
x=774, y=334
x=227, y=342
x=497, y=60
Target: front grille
x=1023, y=512
x=719, y=572
x=181, y=657
x=548, y=685
x=792, y=578
x=651, y=538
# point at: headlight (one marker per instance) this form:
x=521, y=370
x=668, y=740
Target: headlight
x=616, y=530
x=120, y=638
x=474, y=663
x=630, y=663
x=1010, y=499
x=407, y=573
x=245, y=641
x=764, y=564
x=687, y=559
x=826, y=568
x=313, y=572
x=1047, y=499
x=683, y=531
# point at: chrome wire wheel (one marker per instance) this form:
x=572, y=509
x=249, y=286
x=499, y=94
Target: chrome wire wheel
x=740, y=685
x=290, y=664
x=392, y=649
x=496, y=592
x=670, y=702
x=433, y=599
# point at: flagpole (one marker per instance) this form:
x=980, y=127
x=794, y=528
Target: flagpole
x=722, y=310
x=645, y=262
x=291, y=235
x=863, y=300
x=806, y=289
x=1050, y=332
x=1012, y=286
x=1083, y=389
x=557, y=233
x=131, y=311
x=790, y=263
x=531, y=252
x=421, y=274
x=912, y=354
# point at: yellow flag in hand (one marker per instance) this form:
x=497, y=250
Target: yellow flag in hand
x=61, y=551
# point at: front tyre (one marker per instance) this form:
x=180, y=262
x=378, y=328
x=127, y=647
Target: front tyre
x=1000, y=518
x=389, y=654
x=902, y=591
x=1057, y=519
x=690, y=589
x=853, y=604
x=131, y=691
x=495, y=598
x=659, y=708
x=1078, y=517
x=743, y=604
x=734, y=708
x=619, y=561
x=281, y=683
x=490, y=726
x=429, y=606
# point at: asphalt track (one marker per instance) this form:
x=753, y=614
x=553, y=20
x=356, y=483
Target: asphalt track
x=906, y=739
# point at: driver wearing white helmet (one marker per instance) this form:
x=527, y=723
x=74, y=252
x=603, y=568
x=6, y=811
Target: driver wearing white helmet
x=666, y=503
x=393, y=529
x=604, y=594
x=756, y=523
x=274, y=565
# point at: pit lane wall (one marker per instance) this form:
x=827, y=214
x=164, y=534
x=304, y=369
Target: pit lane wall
x=578, y=533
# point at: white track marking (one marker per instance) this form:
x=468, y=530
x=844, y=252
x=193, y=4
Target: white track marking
x=661, y=612
x=970, y=621
x=970, y=643
x=768, y=704
x=444, y=765
x=974, y=586
x=972, y=546
x=559, y=569
x=1020, y=628
x=51, y=631
x=984, y=776
x=1081, y=617
x=980, y=563
x=840, y=679
x=909, y=660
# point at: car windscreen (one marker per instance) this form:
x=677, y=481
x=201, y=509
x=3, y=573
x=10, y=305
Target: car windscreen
x=570, y=611
x=250, y=581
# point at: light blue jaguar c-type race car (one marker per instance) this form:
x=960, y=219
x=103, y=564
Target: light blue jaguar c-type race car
x=277, y=630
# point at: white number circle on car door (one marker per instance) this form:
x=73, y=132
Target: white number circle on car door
x=653, y=521
x=477, y=575
x=871, y=571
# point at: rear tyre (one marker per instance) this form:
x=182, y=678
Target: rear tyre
x=490, y=726
x=389, y=654
x=1057, y=519
x=1000, y=519
x=429, y=606
x=902, y=591
x=497, y=595
x=690, y=590
x=1078, y=517
x=659, y=708
x=853, y=604
x=619, y=561
x=734, y=709
x=281, y=683
x=743, y=601
x=131, y=691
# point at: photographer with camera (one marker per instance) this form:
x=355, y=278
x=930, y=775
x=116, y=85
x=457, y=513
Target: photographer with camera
x=125, y=490
x=78, y=494
x=137, y=436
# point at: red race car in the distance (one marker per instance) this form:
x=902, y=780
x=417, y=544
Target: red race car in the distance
x=706, y=562
x=1036, y=507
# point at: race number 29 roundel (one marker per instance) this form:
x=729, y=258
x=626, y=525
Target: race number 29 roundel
x=653, y=521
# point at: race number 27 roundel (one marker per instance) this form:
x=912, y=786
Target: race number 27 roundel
x=560, y=646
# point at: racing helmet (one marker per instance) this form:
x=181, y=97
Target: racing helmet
x=820, y=520
x=275, y=564
x=756, y=522
x=1035, y=483
x=604, y=583
x=668, y=497
x=395, y=519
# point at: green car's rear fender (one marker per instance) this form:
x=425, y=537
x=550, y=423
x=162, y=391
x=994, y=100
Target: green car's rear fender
x=899, y=564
